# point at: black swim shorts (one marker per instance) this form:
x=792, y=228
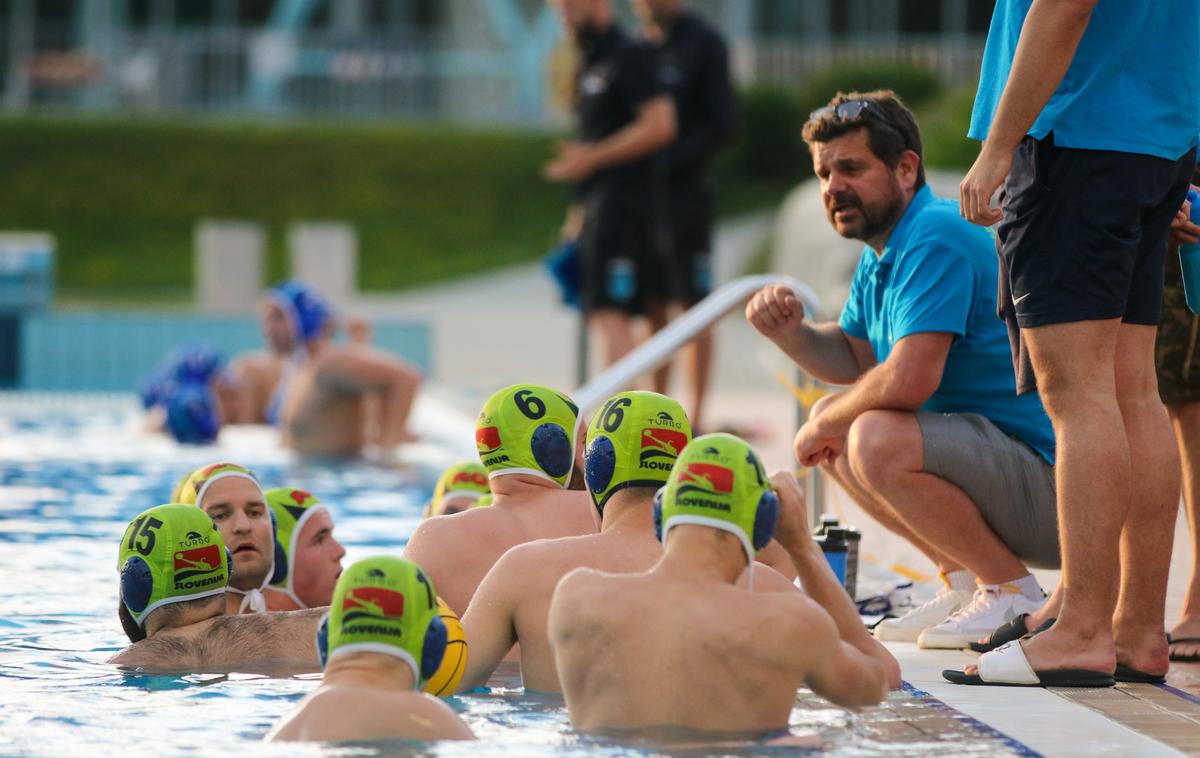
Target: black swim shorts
x=623, y=246
x=1084, y=232
x=691, y=204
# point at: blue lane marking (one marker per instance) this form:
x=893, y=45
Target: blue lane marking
x=1018, y=747
x=1179, y=693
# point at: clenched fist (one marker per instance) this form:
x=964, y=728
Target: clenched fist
x=775, y=312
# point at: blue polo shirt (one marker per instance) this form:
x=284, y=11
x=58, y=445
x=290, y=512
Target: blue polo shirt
x=938, y=274
x=1133, y=85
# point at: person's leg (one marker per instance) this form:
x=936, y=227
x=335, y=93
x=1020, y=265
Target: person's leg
x=1185, y=418
x=614, y=329
x=879, y=510
x=657, y=316
x=1149, y=526
x=1075, y=368
x=699, y=368
x=886, y=453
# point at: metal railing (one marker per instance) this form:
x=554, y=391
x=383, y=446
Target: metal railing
x=662, y=347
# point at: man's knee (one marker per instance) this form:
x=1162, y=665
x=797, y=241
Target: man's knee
x=880, y=443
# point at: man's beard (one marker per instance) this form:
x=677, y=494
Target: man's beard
x=876, y=219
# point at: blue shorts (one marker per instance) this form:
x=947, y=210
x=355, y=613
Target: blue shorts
x=1084, y=232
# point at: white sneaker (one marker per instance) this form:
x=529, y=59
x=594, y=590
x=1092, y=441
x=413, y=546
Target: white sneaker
x=989, y=608
x=908, y=627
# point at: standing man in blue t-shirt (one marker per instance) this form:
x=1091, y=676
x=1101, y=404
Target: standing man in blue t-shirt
x=931, y=439
x=1093, y=135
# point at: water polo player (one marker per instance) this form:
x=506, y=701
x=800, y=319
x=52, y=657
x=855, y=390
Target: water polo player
x=311, y=559
x=529, y=440
x=632, y=443
x=381, y=640
x=460, y=487
x=232, y=497
x=682, y=645
x=173, y=569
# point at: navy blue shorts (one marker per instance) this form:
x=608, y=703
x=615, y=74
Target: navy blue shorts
x=624, y=244
x=692, y=240
x=1084, y=232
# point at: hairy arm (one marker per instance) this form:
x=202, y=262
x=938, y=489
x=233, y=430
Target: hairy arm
x=905, y=381
x=822, y=350
x=490, y=622
x=822, y=586
x=1049, y=39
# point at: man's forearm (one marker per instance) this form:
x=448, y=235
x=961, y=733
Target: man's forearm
x=822, y=351
x=1049, y=38
x=652, y=130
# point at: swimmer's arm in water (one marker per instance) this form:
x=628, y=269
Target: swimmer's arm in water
x=818, y=578
x=830, y=666
x=490, y=620
x=367, y=370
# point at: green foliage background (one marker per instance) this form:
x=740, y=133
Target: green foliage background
x=429, y=202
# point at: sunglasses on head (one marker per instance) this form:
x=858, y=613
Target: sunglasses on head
x=850, y=110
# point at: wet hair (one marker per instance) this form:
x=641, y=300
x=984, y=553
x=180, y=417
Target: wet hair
x=891, y=127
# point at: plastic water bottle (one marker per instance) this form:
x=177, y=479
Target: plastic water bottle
x=840, y=545
x=1189, y=260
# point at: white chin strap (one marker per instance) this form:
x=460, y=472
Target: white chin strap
x=254, y=600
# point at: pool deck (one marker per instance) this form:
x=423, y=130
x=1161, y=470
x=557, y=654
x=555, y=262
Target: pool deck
x=508, y=327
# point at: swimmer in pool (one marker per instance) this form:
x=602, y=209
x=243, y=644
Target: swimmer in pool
x=311, y=559
x=173, y=570
x=328, y=400
x=379, y=643
x=632, y=444
x=190, y=395
x=682, y=645
x=232, y=497
x=458, y=488
x=530, y=441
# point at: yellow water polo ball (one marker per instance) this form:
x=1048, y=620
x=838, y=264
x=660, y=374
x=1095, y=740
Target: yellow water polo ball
x=444, y=681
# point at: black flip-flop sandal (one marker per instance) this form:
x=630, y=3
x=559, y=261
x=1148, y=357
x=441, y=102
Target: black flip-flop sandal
x=1130, y=675
x=1007, y=666
x=1009, y=631
x=1194, y=658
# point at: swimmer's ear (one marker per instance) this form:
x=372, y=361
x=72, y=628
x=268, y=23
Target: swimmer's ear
x=322, y=640
x=137, y=584
x=552, y=449
x=658, y=505
x=434, y=648
x=600, y=463
x=765, y=517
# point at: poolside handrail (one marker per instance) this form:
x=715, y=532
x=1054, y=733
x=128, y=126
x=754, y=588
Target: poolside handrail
x=657, y=350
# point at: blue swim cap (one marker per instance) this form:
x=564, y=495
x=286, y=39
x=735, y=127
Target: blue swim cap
x=154, y=390
x=197, y=364
x=192, y=413
x=307, y=311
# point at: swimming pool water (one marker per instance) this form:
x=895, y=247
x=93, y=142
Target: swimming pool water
x=73, y=471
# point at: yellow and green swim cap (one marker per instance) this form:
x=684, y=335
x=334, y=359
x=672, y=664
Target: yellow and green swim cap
x=290, y=508
x=197, y=484
x=528, y=429
x=385, y=605
x=633, y=441
x=719, y=482
x=467, y=480
x=170, y=554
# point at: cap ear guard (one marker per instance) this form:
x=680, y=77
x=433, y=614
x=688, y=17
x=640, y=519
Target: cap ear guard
x=281, y=561
x=323, y=639
x=600, y=462
x=137, y=585
x=434, y=647
x=765, y=517
x=551, y=448
x=658, y=505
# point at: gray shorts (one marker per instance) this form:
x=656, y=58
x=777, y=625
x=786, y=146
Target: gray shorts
x=1011, y=484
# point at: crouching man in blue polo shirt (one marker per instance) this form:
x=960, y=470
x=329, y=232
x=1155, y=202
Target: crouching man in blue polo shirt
x=931, y=439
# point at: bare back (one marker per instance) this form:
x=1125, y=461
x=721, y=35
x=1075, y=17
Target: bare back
x=457, y=551
x=281, y=642
x=647, y=650
x=338, y=713
x=323, y=416
x=515, y=597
